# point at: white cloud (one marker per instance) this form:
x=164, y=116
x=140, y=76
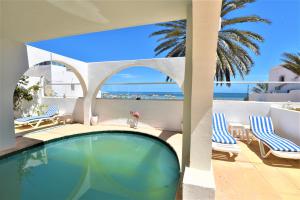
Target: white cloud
x=129, y=76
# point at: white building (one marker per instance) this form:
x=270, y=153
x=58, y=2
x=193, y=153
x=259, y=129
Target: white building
x=288, y=90
x=56, y=80
x=282, y=74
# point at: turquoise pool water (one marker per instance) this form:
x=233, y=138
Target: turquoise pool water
x=104, y=166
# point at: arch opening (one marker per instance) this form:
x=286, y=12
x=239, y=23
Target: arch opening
x=117, y=95
x=54, y=79
x=123, y=71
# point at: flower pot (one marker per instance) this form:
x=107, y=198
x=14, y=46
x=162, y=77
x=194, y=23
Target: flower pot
x=94, y=120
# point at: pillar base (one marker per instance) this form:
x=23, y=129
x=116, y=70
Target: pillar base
x=198, y=184
x=11, y=143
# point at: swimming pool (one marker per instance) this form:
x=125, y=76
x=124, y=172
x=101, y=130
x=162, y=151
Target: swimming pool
x=105, y=166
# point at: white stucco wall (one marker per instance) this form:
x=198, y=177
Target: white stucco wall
x=111, y=109
x=167, y=114
x=286, y=123
x=79, y=68
x=239, y=111
x=163, y=114
x=275, y=74
x=67, y=106
x=92, y=75
x=293, y=96
x=58, y=79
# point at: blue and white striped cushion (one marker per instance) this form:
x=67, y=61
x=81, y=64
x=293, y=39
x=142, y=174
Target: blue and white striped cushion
x=52, y=110
x=29, y=119
x=220, y=132
x=262, y=128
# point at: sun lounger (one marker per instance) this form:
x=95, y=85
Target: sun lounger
x=222, y=140
x=35, y=121
x=262, y=129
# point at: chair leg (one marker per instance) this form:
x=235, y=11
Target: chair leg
x=262, y=149
x=249, y=140
x=31, y=124
x=269, y=152
x=38, y=124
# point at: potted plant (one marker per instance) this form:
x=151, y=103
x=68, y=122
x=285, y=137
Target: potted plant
x=134, y=119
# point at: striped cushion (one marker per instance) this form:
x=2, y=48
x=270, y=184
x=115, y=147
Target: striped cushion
x=52, y=110
x=220, y=132
x=32, y=118
x=262, y=128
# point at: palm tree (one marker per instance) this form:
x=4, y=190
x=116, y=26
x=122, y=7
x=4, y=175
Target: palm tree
x=233, y=44
x=261, y=88
x=292, y=62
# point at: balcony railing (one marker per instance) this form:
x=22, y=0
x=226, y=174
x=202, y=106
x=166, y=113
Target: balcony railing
x=234, y=90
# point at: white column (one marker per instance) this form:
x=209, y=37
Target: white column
x=13, y=64
x=87, y=109
x=186, y=139
x=203, y=26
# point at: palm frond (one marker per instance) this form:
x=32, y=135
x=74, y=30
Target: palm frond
x=233, y=47
x=242, y=39
x=246, y=19
x=261, y=88
x=229, y=6
x=292, y=62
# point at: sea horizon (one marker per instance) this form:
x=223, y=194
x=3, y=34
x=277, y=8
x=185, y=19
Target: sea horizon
x=168, y=95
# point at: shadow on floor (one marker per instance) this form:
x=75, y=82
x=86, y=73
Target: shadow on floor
x=20, y=131
x=165, y=135
x=272, y=160
x=216, y=155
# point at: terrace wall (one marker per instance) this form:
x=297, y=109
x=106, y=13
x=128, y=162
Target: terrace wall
x=286, y=122
x=67, y=105
x=164, y=114
x=167, y=114
x=293, y=95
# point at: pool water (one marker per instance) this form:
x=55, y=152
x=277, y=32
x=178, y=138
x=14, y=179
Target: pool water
x=104, y=166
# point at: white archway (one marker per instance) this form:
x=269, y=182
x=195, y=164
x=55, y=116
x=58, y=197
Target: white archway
x=176, y=80
x=154, y=112
x=100, y=71
x=93, y=74
x=37, y=56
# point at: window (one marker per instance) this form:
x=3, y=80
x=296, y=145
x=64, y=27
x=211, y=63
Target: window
x=281, y=78
x=72, y=87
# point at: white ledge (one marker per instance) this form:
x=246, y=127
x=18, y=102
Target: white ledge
x=198, y=184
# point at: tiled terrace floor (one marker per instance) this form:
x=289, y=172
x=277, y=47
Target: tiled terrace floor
x=249, y=177
x=245, y=177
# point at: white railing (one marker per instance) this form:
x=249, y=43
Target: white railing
x=238, y=90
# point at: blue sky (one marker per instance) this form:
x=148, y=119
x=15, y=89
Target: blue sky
x=283, y=35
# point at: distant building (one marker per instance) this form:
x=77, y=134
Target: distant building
x=280, y=92
x=56, y=80
x=282, y=74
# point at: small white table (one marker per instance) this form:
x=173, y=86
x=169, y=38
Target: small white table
x=65, y=118
x=240, y=129
x=248, y=132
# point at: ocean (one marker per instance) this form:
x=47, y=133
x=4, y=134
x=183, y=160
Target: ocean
x=168, y=95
